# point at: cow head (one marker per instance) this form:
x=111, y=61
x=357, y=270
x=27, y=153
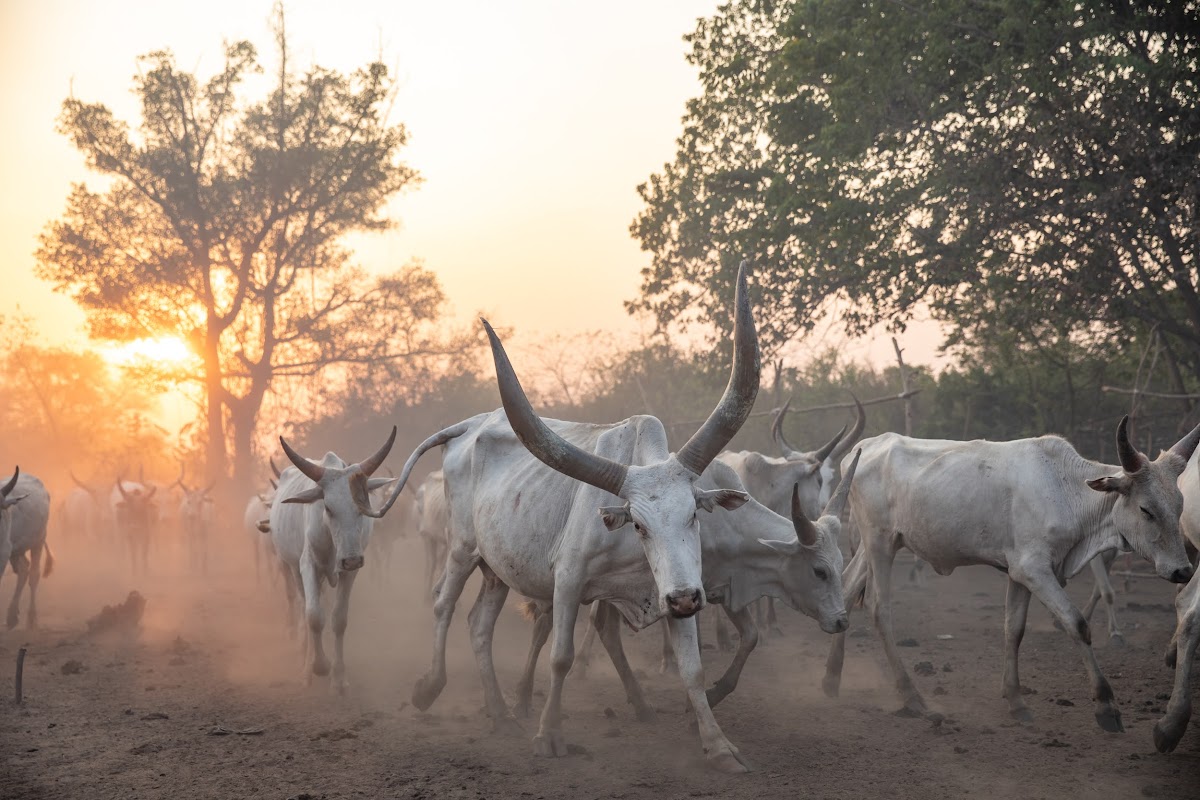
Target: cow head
x=196, y=504
x=341, y=500
x=134, y=505
x=814, y=470
x=7, y=497
x=1148, y=503
x=812, y=569
x=662, y=500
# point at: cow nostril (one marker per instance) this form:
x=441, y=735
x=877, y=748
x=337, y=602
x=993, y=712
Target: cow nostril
x=1182, y=575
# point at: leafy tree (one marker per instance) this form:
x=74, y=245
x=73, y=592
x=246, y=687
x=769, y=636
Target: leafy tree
x=224, y=219
x=1032, y=160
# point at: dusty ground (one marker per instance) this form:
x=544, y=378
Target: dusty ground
x=137, y=720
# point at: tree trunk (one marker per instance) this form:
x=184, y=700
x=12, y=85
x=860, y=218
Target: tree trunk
x=214, y=396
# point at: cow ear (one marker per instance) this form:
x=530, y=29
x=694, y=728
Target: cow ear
x=13, y=500
x=728, y=499
x=615, y=517
x=264, y=526
x=1118, y=483
x=778, y=546
x=307, y=496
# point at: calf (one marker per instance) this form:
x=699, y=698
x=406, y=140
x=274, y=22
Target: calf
x=1033, y=508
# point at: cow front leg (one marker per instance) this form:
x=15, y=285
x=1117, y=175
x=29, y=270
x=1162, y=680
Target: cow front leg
x=1046, y=588
x=482, y=622
x=719, y=751
x=1016, y=608
x=854, y=581
x=743, y=621
x=549, y=741
x=543, y=621
x=20, y=565
x=310, y=581
x=879, y=606
x=460, y=563
x=1170, y=729
x=341, y=617
x=607, y=622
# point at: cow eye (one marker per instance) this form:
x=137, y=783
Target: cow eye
x=821, y=573
x=637, y=526
x=1147, y=514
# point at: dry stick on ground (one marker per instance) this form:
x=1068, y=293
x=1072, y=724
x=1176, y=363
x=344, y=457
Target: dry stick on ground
x=20, y=674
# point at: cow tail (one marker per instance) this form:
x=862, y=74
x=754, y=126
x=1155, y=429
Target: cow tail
x=49, y=566
x=438, y=439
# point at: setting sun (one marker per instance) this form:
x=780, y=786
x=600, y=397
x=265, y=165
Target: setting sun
x=169, y=351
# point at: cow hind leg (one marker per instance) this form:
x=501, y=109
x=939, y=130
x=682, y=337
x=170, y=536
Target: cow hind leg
x=482, y=622
x=1170, y=729
x=854, y=581
x=20, y=565
x=542, y=624
x=1016, y=609
x=748, y=638
x=459, y=567
x=35, y=577
x=341, y=618
x=1046, y=588
x=583, y=656
x=607, y=622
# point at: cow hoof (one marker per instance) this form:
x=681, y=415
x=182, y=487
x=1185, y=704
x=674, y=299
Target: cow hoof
x=1021, y=714
x=320, y=667
x=507, y=725
x=426, y=691
x=13, y=618
x=728, y=761
x=1116, y=640
x=340, y=686
x=550, y=745
x=832, y=685
x=1108, y=717
x=1167, y=736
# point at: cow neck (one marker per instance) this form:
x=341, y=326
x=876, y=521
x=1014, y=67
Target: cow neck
x=734, y=563
x=1099, y=530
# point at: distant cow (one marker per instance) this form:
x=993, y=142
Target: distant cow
x=24, y=518
x=254, y=520
x=433, y=526
x=135, y=513
x=197, y=520
x=1033, y=508
x=321, y=536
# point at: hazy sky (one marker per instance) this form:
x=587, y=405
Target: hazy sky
x=531, y=123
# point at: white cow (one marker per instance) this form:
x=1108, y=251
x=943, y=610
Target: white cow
x=530, y=501
x=741, y=557
x=254, y=520
x=771, y=481
x=1033, y=508
x=320, y=536
x=1181, y=654
x=433, y=526
x=197, y=520
x=24, y=518
x=135, y=512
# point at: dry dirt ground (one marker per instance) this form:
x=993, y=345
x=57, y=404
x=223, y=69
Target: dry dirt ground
x=137, y=720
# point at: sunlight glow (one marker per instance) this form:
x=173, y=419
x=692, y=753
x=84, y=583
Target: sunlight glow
x=165, y=351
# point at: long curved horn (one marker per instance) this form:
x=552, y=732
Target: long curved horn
x=12, y=483
x=829, y=446
x=806, y=532
x=546, y=445
x=274, y=468
x=121, y=487
x=310, y=470
x=80, y=483
x=860, y=424
x=371, y=464
x=1131, y=459
x=837, y=503
x=179, y=481
x=785, y=449
x=150, y=493
x=735, y=406
x=1187, y=445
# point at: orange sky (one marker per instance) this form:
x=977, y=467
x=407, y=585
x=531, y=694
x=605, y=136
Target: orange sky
x=531, y=122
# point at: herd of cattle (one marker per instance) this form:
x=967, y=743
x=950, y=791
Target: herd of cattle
x=571, y=514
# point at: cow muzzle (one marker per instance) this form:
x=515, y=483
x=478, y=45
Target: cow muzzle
x=1182, y=575
x=836, y=625
x=351, y=563
x=685, y=602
